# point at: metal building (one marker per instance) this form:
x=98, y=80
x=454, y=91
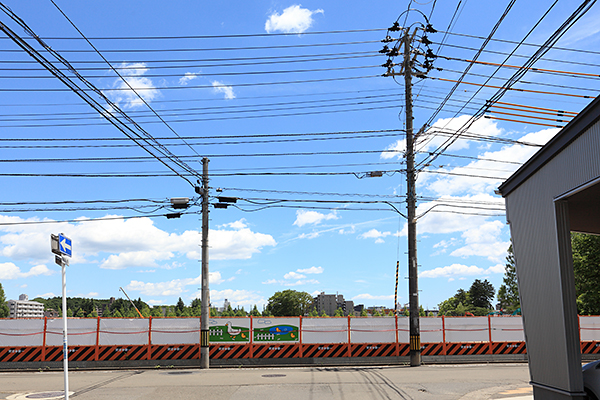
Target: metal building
x=557, y=191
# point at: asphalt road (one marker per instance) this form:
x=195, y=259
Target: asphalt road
x=464, y=382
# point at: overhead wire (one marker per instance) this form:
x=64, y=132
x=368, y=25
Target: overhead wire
x=231, y=36
x=123, y=127
x=554, y=37
x=123, y=79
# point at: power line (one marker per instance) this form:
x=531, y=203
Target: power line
x=174, y=50
x=198, y=86
x=123, y=79
x=234, y=36
x=148, y=141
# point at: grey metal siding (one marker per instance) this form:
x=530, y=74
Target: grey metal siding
x=531, y=208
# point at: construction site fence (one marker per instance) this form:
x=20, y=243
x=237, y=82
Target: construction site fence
x=112, y=339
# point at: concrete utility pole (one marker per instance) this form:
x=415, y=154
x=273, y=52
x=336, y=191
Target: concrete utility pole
x=205, y=306
x=413, y=290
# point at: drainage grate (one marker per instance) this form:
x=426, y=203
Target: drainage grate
x=180, y=373
x=273, y=376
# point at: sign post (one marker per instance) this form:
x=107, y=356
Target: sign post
x=61, y=247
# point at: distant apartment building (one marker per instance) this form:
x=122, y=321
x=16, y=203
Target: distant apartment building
x=329, y=303
x=23, y=308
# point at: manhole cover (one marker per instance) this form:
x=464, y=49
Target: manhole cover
x=273, y=376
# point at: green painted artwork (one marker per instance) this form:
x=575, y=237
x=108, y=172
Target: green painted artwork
x=229, y=333
x=277, y=333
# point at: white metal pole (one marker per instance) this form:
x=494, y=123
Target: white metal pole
x=64, y=313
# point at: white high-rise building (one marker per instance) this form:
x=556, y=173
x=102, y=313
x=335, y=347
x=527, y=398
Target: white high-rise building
x=23, y=308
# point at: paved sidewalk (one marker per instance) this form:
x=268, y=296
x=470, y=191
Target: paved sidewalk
x=448, y=382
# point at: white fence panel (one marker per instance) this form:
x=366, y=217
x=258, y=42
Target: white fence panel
x=175, y=330
x=21, y=332
x=507, y=329
x=403, y=330
x=431, y=330
x=590, y=328
x=325, y=330
x=373, y=330
x=275, y=330
x=116, y=332
x=469, y=329
x=81, y=332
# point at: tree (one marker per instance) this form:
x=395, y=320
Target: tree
x=255, y=312
x=508, y=293
x=476, y=301
x=289, y=303
x=364, y=313
x=180, y=306
x=4, y=311
x=482, y=294
x=267, y=313
x=240, y=312
x=339, y=313
x=196, y=303
x=228, y=312
x=586, y=266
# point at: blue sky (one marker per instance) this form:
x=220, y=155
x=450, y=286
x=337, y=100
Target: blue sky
x=310, y=106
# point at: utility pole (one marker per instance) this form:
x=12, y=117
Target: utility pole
x=413, y=290
x=408, y=66
x=205, y=306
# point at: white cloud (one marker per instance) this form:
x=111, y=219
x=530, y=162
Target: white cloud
x=220, y=87
x=374, y=234
x=299, y=282
x=483, y=241
x=489, y=173
x=311, y=270
x=349, y=231
x=175, y=287
x=46, y=295
x=398, y=147
x=237, y=298
x=586, y=29
x=432, y=137
x=304, y=217
x=129, y=243
x=296, y=278
x=240, y=244
x=171, y=288
x=293, y=275
x=459, y=270
x=239, y=224
x=133, y=75
x=293, y=19
x=367, y=296
x=312, y=235
x=11, y=271
x=189, y=76
x=135, y=259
